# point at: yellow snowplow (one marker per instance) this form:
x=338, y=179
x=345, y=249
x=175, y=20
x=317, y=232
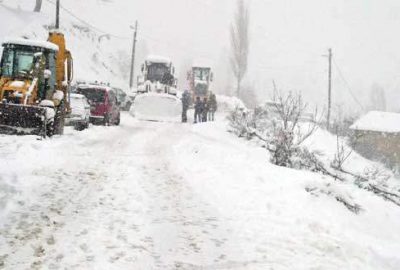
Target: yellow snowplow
x=35, y=78
x=200, y=79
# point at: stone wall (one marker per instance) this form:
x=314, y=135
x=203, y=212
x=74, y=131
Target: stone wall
x=378, y=146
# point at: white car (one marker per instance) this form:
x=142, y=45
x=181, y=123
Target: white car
x=80, y=112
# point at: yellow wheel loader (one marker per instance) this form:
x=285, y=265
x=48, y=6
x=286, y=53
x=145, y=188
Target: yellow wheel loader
x=35, y=78
x=200, y=79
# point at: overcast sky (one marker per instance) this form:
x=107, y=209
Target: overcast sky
x=288, y=40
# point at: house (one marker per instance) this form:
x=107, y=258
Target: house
x=377, y=136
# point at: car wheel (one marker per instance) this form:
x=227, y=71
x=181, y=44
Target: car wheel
x=49, y=129
x=118, y=120
x=79, y=126
x=106, y=120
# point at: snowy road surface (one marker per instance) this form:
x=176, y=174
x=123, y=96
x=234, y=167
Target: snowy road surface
x=169, y=196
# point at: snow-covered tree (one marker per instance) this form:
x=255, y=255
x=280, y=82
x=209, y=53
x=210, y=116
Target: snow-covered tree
x=249, y=96
x=287, y=134
x=240, y=43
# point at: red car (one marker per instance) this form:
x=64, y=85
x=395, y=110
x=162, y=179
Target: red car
x=104, y=106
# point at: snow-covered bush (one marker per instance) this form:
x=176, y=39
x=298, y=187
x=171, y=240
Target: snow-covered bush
x=279, y=124
x=341, y=155
x=248, y=123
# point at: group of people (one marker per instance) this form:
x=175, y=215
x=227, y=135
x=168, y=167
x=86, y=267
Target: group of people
x=204, y=109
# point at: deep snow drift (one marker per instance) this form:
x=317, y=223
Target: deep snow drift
x=170, y=196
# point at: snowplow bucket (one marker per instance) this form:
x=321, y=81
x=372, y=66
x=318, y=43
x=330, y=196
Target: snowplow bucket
x=22, y=120
x=157, y=107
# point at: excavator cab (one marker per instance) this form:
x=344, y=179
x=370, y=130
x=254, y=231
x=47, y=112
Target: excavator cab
x=34, y=83
x=23, y=66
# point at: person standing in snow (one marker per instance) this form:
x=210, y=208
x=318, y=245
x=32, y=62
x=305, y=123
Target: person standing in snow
x=198, y=110
x=212, y=106
x=185, y=105
x=205, y=110
x=167, y=79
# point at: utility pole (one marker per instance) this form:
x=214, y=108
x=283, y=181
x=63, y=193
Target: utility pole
x=328, y=120
x=275, y=90
x=58, y=14
x=133, y=55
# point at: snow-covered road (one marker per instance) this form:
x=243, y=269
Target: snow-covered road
x=170, y=196
x=112, y=200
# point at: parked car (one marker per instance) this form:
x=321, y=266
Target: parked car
x=104, y=106
x=80, y=112
x=123, y=99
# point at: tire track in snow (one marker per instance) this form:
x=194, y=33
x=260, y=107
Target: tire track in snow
x=186, y=229
x=121, y=206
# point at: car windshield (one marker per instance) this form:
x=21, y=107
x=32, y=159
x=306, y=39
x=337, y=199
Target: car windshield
x=156, y=72
x=17, y=62
x=92, y=94
x=77, y=102
x=201, y=74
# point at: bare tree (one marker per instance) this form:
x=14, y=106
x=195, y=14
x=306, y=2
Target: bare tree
x=240, y=43
x=38, y=6
x=287, y=134
x=341, y=155
x=249, y=96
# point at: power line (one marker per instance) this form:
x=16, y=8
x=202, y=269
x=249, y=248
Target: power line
x=86, y=23
x=348, y=85
x=109, y=34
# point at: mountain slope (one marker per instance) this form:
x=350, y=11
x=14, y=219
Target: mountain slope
x=96, y=58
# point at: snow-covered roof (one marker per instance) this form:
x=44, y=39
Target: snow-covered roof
x=158, y=59
x=32, y=43
x=94, y=86
x=378, y=121
x=202, y=63
x=77, y=96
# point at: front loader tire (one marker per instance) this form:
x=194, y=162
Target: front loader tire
x=59, y=119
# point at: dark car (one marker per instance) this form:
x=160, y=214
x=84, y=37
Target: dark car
x=123, y=99
x=104, y=106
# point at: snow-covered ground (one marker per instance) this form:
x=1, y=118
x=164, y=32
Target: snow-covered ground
x=148, y=195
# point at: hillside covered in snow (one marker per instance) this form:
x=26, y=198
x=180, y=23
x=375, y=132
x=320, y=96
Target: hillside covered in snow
x=97, y=57
x=174, y=196
x=170, y=196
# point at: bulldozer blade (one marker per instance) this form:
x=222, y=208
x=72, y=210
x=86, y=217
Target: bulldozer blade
x=22, y=120
x=157, y=107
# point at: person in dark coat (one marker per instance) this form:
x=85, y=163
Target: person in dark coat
x=185, y=105
x=212, y=106
x=198, y=110
x=205, y=110
x=167, y=79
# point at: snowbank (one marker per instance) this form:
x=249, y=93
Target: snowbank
x=227, y=104
x=287, y=227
